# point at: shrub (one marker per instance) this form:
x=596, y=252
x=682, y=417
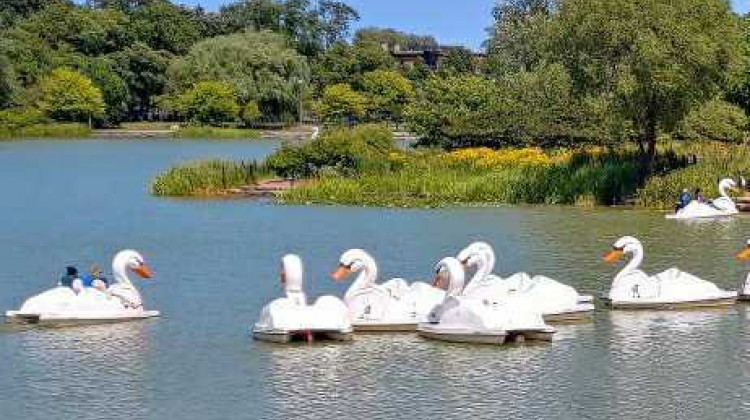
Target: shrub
x=340, y=102
x=209, y=103
x=716, y=120
x=16, y=118
x=347, y=150
x=67, y=95
x=206, y=178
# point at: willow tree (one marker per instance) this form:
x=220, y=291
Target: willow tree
x=259, y=66
x=654, y=60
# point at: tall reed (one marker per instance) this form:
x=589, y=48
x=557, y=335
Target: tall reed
x=207, y=178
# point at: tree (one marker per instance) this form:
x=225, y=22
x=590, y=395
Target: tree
x=337, y=18
x=209, y=103
x=63, y=25
x=69, y=96
x=389, y=93
x=394, y=39
x=340, y=102
x=536, y=108
x=716, y=120
x=258, y=65
x=105, y=74
x=7, y=81
x=459, y=60
x=311, y=30
x=519, y=35
x=144, y=71
x=656, y=60
x=14, y=10
x=163, y=26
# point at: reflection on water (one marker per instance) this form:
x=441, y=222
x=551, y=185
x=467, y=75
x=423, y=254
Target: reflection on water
x=94, y=371
x=216, y=266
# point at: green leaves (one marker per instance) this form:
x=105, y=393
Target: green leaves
x=259, y=66
x=209, y=103
x=66, y=95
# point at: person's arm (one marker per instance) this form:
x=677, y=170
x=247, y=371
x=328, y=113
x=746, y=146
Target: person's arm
x=77, y=286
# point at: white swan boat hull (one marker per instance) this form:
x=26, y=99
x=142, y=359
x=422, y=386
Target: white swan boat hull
x=65, y=319
x=288, y=336
x=646, y=304
x=583, y=312
x=493, y=337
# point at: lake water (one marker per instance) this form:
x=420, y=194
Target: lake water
x=216, y=265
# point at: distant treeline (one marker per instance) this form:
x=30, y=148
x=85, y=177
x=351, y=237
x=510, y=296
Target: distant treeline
x=556, y=72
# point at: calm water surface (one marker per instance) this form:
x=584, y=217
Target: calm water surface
x=216, y=265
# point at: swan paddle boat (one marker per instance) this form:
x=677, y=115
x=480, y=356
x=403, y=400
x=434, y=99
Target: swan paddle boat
x=389, y=307
x=720, y=207
x=120, y=302
x=556, y=301
x=290, y=318
x=671, y=289
x=744, y=255
x=462, y=319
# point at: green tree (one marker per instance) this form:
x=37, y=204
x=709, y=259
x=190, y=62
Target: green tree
x=7, y=81
x=459, y=60
x=164, y=26
x=67, y=95
x=209, y=103
x=105, y=73
x=716, y=120
x=64, y=25
x=340, y=102
x=258, y=65
x=389, y=93
x=14, y=10
x=656, y=60
x=145, y=74
x=393, y=39
x=519, y=36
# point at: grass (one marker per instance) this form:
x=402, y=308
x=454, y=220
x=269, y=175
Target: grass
x=207, y=178
x=52, y=130
x=192, y=132
x=715, y=162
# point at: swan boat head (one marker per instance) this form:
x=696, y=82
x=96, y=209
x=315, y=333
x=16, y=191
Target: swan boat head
x=291, y=274
x=129, y=260
x=477, y=248
x=727, y=184
x=449, y=275
x=624, y=245
x=355, y=261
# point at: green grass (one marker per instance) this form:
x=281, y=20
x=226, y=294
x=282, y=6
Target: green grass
x=715, y=162
x=52, y=130
x=192, y=132
x=207, y=178
x=426, y=181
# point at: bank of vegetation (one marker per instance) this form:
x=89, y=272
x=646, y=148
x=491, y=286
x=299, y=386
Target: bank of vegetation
x=363, y=166
x=208, y=178
x=575, y=102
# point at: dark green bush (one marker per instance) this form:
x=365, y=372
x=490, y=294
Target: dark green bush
x=346, y=150
x=716, y=120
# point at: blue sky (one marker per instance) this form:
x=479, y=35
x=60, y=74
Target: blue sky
x=450, y=21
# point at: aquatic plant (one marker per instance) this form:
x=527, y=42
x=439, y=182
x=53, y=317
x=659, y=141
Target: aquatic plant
x=207, y=178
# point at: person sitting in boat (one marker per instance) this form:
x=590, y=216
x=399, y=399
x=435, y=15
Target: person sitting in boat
x=71, y=273
x=685, y=199
x=95, y=278
x=698, y=195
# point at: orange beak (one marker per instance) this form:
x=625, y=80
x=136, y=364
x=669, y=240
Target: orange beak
x=143, y=271
x=341, y=273
x=744, y=255
x=613, y=255
x=437, y=281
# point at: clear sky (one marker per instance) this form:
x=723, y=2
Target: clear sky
x=450, y=21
